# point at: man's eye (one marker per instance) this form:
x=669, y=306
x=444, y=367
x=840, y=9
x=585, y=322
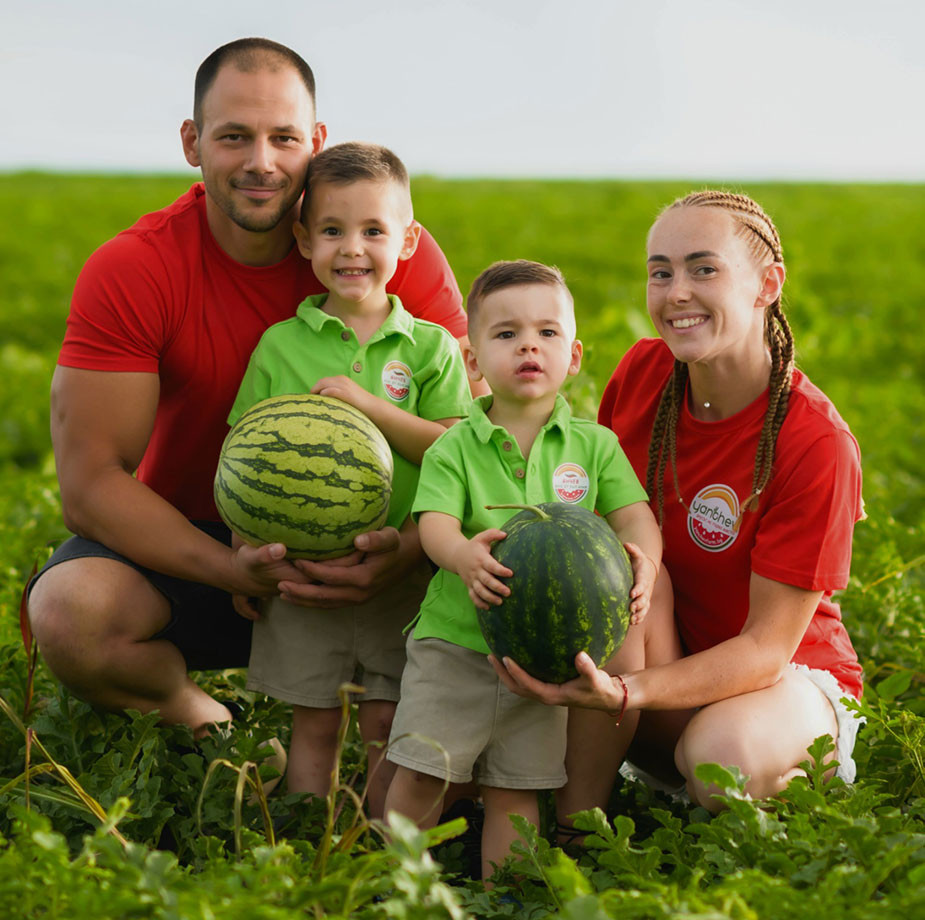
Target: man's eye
x=286, y=139
x=232, y=137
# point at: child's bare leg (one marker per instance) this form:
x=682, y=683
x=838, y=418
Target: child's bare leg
x=313, y=749
x=498, y=833
x=375, y=720
x=415, y=795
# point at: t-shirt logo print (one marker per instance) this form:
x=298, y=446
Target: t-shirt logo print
x=396, y=380
x=712, y=519
x=570, y=483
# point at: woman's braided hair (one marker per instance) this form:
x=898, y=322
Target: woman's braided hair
x=758, y=230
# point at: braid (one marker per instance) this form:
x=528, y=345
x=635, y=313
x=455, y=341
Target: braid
x=664, y=430
x=759, y=232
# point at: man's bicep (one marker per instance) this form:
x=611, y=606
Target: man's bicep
x=100, y=418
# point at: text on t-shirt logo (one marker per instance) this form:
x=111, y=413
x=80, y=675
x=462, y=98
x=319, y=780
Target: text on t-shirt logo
x=570, y=483
x=396, y=380
x=712, y=519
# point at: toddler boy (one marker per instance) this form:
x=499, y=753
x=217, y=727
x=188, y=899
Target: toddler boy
x=358, y=344
x=518, y=445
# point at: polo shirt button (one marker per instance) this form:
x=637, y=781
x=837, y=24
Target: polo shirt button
x=506, y=445
x=345, y=336
x=357, y=367
x=519, y=473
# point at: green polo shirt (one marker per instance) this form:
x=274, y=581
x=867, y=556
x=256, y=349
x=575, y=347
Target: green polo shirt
x=414, y=364
x=477, y=463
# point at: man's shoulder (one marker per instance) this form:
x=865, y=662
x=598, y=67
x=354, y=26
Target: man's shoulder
x=159, y=235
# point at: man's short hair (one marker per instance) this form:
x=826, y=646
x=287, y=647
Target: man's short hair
x=249, y=55
x=344, y=164
x=500, y=275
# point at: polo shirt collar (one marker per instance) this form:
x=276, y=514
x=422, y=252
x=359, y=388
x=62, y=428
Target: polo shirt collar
x=399, y=321
x=483, y=426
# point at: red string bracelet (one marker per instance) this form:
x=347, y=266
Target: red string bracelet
x=619, y=715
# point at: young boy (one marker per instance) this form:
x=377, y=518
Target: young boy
x=518, y=445
x=358, y=344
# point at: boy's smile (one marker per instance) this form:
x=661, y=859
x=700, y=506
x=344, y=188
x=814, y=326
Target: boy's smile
x=355, y=234
x=525, y=343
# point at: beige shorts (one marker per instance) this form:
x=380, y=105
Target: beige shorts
x=302, y=655
x=451, y=696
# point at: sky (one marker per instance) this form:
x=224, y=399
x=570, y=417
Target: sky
x=780, y=89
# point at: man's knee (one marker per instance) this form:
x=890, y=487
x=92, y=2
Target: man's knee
x=78, y=608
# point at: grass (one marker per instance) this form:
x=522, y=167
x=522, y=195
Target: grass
x=856, y=264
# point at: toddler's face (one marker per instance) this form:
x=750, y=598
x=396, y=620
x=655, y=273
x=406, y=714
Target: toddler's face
x=525, y=343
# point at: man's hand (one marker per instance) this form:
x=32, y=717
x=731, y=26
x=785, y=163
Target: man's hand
x=480, y=571
x=258, y=570
x=246, y=606
x=382, y=557
x=645, y=571
x=594, y=688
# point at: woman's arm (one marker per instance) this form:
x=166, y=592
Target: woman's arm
x=778, y=617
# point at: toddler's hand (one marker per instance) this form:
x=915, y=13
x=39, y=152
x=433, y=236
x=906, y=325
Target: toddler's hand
x=478, y=569
x=645, y=572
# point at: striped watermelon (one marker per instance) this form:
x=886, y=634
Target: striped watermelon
x=569, y=591
x=309, y=471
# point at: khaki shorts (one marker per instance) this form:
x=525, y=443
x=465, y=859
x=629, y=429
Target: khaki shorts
x=452, y=695
x=302, y=655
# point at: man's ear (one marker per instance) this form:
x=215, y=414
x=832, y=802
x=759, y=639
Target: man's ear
x=319, y=136
x=189, y=137
x=412, y=236
x=302, y=239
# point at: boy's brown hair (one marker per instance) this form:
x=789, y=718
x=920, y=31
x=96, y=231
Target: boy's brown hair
x=500, y=275
x=344, y=164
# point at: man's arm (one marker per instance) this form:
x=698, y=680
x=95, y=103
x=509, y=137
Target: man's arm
x=100, y=425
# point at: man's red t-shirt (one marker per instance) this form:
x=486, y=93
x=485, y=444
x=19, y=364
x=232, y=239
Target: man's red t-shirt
x=162, y=297
x=800, y=534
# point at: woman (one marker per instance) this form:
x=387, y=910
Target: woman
x=756, y=482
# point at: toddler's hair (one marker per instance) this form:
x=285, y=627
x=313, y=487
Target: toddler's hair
x=758, y=230
x=500, y=275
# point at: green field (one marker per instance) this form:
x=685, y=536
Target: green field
x=856, y=286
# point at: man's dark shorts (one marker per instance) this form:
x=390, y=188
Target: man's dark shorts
x=203, y=624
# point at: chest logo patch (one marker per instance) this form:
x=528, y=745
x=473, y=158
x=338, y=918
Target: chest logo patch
x=712, y=517
x=396, y=380
x=570, y=483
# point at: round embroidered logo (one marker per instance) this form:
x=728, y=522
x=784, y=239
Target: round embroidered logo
x=396, y=380
x=711, y=520
x=570, y=483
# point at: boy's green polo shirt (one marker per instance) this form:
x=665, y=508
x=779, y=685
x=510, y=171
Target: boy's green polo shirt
x=414, y=364
x=477, y=463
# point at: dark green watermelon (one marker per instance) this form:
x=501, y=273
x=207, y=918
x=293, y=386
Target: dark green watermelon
x=569, y=591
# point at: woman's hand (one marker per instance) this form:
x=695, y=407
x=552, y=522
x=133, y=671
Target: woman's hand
x=592, y=689
x=645, y=571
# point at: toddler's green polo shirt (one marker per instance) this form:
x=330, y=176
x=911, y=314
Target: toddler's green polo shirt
x=476, y=463
x=410, y=362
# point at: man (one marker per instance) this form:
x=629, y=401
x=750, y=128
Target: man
x=162, y=322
